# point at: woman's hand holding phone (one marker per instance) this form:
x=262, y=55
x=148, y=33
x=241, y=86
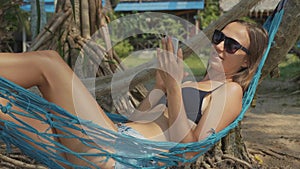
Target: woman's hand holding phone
x=170, y=67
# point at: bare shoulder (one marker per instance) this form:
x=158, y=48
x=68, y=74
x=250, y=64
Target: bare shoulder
x=189, y=84
x=234, y=89
x=234, y=86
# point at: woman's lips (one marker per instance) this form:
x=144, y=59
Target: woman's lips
x=215, y=62
x=215, y=59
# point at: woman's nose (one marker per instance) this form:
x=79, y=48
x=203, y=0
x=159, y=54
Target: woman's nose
x=220, y=47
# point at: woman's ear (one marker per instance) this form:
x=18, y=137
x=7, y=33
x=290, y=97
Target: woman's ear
x=245, y=63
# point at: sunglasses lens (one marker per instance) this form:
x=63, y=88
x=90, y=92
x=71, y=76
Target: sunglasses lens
x=231, y=46
x=218, y=37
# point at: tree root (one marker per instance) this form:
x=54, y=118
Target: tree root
x=15, y=159
x=272, y=152
x=220, y=161
x=15, y=163
x=242, y=162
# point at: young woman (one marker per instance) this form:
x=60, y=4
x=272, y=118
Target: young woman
x=185, y=112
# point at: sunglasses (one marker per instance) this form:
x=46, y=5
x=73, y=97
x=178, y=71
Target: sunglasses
x=230, y=45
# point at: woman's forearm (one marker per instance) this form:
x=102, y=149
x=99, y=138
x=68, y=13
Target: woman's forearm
x=180, y=130
x=149, y=110
x=151, y=100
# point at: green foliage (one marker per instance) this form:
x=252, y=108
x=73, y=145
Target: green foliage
x=247, y=19
x=145, y=31
x=123, y=49
x=195, y=66
x=210, y=13
x=290, y=67
x=148, y=25
x=11, y=17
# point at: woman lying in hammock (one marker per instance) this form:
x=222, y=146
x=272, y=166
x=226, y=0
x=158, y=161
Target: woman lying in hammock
x=187, y=111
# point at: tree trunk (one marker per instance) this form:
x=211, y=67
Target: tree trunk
x=38, y=16
x=286, y=37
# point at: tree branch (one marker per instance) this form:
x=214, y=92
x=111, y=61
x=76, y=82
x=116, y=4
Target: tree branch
x=226, y=156
x=50, y=30
x=85, y=20
x=20, y=163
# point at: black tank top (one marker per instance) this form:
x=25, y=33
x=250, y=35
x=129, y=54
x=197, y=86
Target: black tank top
x=192, y=100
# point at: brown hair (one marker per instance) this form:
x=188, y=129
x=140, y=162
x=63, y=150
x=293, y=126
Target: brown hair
x=258, y=43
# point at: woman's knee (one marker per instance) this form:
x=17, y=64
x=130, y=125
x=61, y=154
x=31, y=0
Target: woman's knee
x=50, y=56
x=49, y=60
x=48, y=63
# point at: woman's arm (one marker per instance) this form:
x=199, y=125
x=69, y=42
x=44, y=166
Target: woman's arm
x=180, y=129
x=151, y=100
x=154, y=95
x=171, y=71
x=225, y=105
x=149, y=109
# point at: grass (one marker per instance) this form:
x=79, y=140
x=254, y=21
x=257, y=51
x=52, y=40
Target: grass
x=193, y=64
x=196, y=65
x=138, y=58
x=290, y=67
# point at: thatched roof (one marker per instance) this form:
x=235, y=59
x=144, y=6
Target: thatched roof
x=264, y=6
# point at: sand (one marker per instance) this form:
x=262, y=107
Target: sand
x=271, y=129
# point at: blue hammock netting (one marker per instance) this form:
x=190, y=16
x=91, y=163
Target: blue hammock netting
x=124, y=149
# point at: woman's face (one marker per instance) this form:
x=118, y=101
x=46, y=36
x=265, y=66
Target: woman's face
x=228, y=63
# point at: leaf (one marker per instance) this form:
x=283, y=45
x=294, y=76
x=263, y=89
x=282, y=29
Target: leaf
x=258, y=159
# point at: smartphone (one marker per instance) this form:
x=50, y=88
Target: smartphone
x=175, y=43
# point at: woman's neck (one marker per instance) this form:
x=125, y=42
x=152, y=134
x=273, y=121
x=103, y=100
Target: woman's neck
x=214, y=75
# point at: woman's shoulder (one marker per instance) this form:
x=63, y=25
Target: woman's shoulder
x=234, y=88
x=189, y=84
x=230, y=87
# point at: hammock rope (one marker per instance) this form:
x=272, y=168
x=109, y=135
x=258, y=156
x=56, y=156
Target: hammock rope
x=124, y=149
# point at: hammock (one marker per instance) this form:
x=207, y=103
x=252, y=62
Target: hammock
x=125, y=150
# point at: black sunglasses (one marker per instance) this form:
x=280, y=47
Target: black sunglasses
x=230, y=45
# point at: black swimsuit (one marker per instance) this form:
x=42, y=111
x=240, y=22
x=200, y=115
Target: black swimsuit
x=192, y=100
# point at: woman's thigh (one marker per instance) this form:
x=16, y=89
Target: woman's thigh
x=23, y=69
x=156, y=130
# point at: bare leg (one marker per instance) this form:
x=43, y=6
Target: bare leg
x=57, y=84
